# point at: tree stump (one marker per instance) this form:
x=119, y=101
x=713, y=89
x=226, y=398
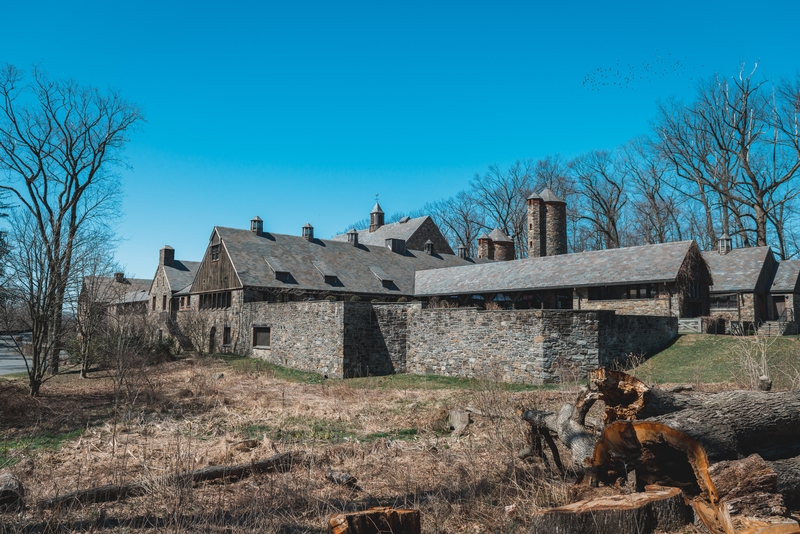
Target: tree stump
x=655, y=509
x=376, y=520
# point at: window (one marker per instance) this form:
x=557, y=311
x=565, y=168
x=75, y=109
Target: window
x=724, y=302
x=164, y=302
x=212, y=301
x=261, y=337
x=185, y=302
x=637, y=291
x=154, y=304
x=694, y=290
x=214, y=252
x=226, y=335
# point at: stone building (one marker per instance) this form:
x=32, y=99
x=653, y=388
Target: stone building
x=172, y=283
x=117, y=295
x=668, y=279
x=496, y=246
x=785, y=295
x=547, y=225
x=741, y=284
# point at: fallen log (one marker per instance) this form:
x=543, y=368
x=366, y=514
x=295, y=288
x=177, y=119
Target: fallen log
x=113, y=492
x=655, y=509
x=748, y=487
x=569, y=424
x=376, y=520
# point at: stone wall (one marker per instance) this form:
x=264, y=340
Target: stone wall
x=530, y=346
x=375, y=338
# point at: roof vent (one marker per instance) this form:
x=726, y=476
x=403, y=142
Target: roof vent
x=381, y=275
x=256, y=225
x=308, y=232
x=428, y=247
x=352, y=237
x=281, y=272
x=462, y=252
x=405, y=220
x=396, y=245
x=725, y=244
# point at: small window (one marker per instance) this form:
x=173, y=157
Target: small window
x=261, y=336
x=163, y=302
x=154, y=304
x=214, y=252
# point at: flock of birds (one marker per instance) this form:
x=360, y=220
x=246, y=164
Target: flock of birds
x=627, y=75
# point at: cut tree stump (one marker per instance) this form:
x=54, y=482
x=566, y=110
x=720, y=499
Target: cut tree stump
x=377, y=520
x=114, y=492
x=642, y=513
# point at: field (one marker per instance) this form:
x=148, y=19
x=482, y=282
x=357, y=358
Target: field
x=391, y=433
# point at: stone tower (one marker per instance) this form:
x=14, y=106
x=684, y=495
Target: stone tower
x=547, y=225
x=502, y=244
x=485, y=247
x=166, y=256
x=375, y=218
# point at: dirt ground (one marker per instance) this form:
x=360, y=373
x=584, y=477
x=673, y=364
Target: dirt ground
x=190, y=414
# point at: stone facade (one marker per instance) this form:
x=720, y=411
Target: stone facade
x=556, y=225
x=536, y=227
x=668, y=299
x=429, y=231
x=346, y=339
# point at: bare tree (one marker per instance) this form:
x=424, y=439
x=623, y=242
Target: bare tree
x=58, y=144
x=502, y=195
x=600, y=181
x=459, y=218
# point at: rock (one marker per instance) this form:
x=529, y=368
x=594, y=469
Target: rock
x=343, y=479
x=458, y=420
x=764, y=383
x=12, y=493
x=219, y=376
x=185, y=393
x=527, y=452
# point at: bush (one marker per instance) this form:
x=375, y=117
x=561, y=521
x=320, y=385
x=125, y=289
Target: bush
x=402, y=299
x=355, y=298
x=330, y=298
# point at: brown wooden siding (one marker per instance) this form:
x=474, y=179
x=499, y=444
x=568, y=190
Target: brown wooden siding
x=216, y=275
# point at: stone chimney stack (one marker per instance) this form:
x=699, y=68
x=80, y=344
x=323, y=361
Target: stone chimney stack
x=119, y=277
x=166, y=256
x=485, y=248
x=547, y=225
x=375, y=218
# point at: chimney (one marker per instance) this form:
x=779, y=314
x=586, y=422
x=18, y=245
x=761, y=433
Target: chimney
x=257, y=225
x=428, y=247
x=375, y=218
x=462, y=252
x=352, y=237
x=308, y=232
x=119, y=277
x=725, y=244
x=166, y=256
x=485, y=248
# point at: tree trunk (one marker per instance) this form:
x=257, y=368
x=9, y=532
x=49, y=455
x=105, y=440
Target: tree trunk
x=661, y=509
x=376, y=520
x=113, y=492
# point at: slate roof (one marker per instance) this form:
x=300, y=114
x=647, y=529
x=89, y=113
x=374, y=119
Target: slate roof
x=107, y=289
x=180, y=275
x=498, y=236
x=644, y=264
x=738, y=270
x=355, y=268
x=787, y=277
x=398, y=230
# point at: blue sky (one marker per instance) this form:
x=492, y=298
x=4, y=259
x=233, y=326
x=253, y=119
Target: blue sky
x=302, y=111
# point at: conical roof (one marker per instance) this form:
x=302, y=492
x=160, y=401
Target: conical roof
x=377, y=209
x=534, y=196
x=498, y=236
x=548, y=196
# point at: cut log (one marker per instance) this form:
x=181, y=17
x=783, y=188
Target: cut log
x=377, y=520
x=114, y=492
x=788, y=474
x=12, y=493
x=748, y=487
x=656, y=509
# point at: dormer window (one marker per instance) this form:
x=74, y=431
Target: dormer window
x=214, y=252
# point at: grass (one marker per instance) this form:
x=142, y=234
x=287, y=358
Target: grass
x=704, y=358
x=40, y=442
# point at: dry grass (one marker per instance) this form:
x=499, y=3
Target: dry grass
x=394, y=441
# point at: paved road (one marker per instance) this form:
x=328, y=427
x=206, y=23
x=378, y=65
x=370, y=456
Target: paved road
x=10, y=359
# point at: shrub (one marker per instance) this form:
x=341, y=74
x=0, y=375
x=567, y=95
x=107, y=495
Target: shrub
x=402, y=299
x=330, y=298
x=355, y=298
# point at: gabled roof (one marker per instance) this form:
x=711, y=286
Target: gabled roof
x=307, y=262
x=398, y=230
x=787, y=278
x=180, y=274
x=107, y=289
x=644, y=264
x=738, y=270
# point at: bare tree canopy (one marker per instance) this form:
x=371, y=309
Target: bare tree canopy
x=59, y=143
